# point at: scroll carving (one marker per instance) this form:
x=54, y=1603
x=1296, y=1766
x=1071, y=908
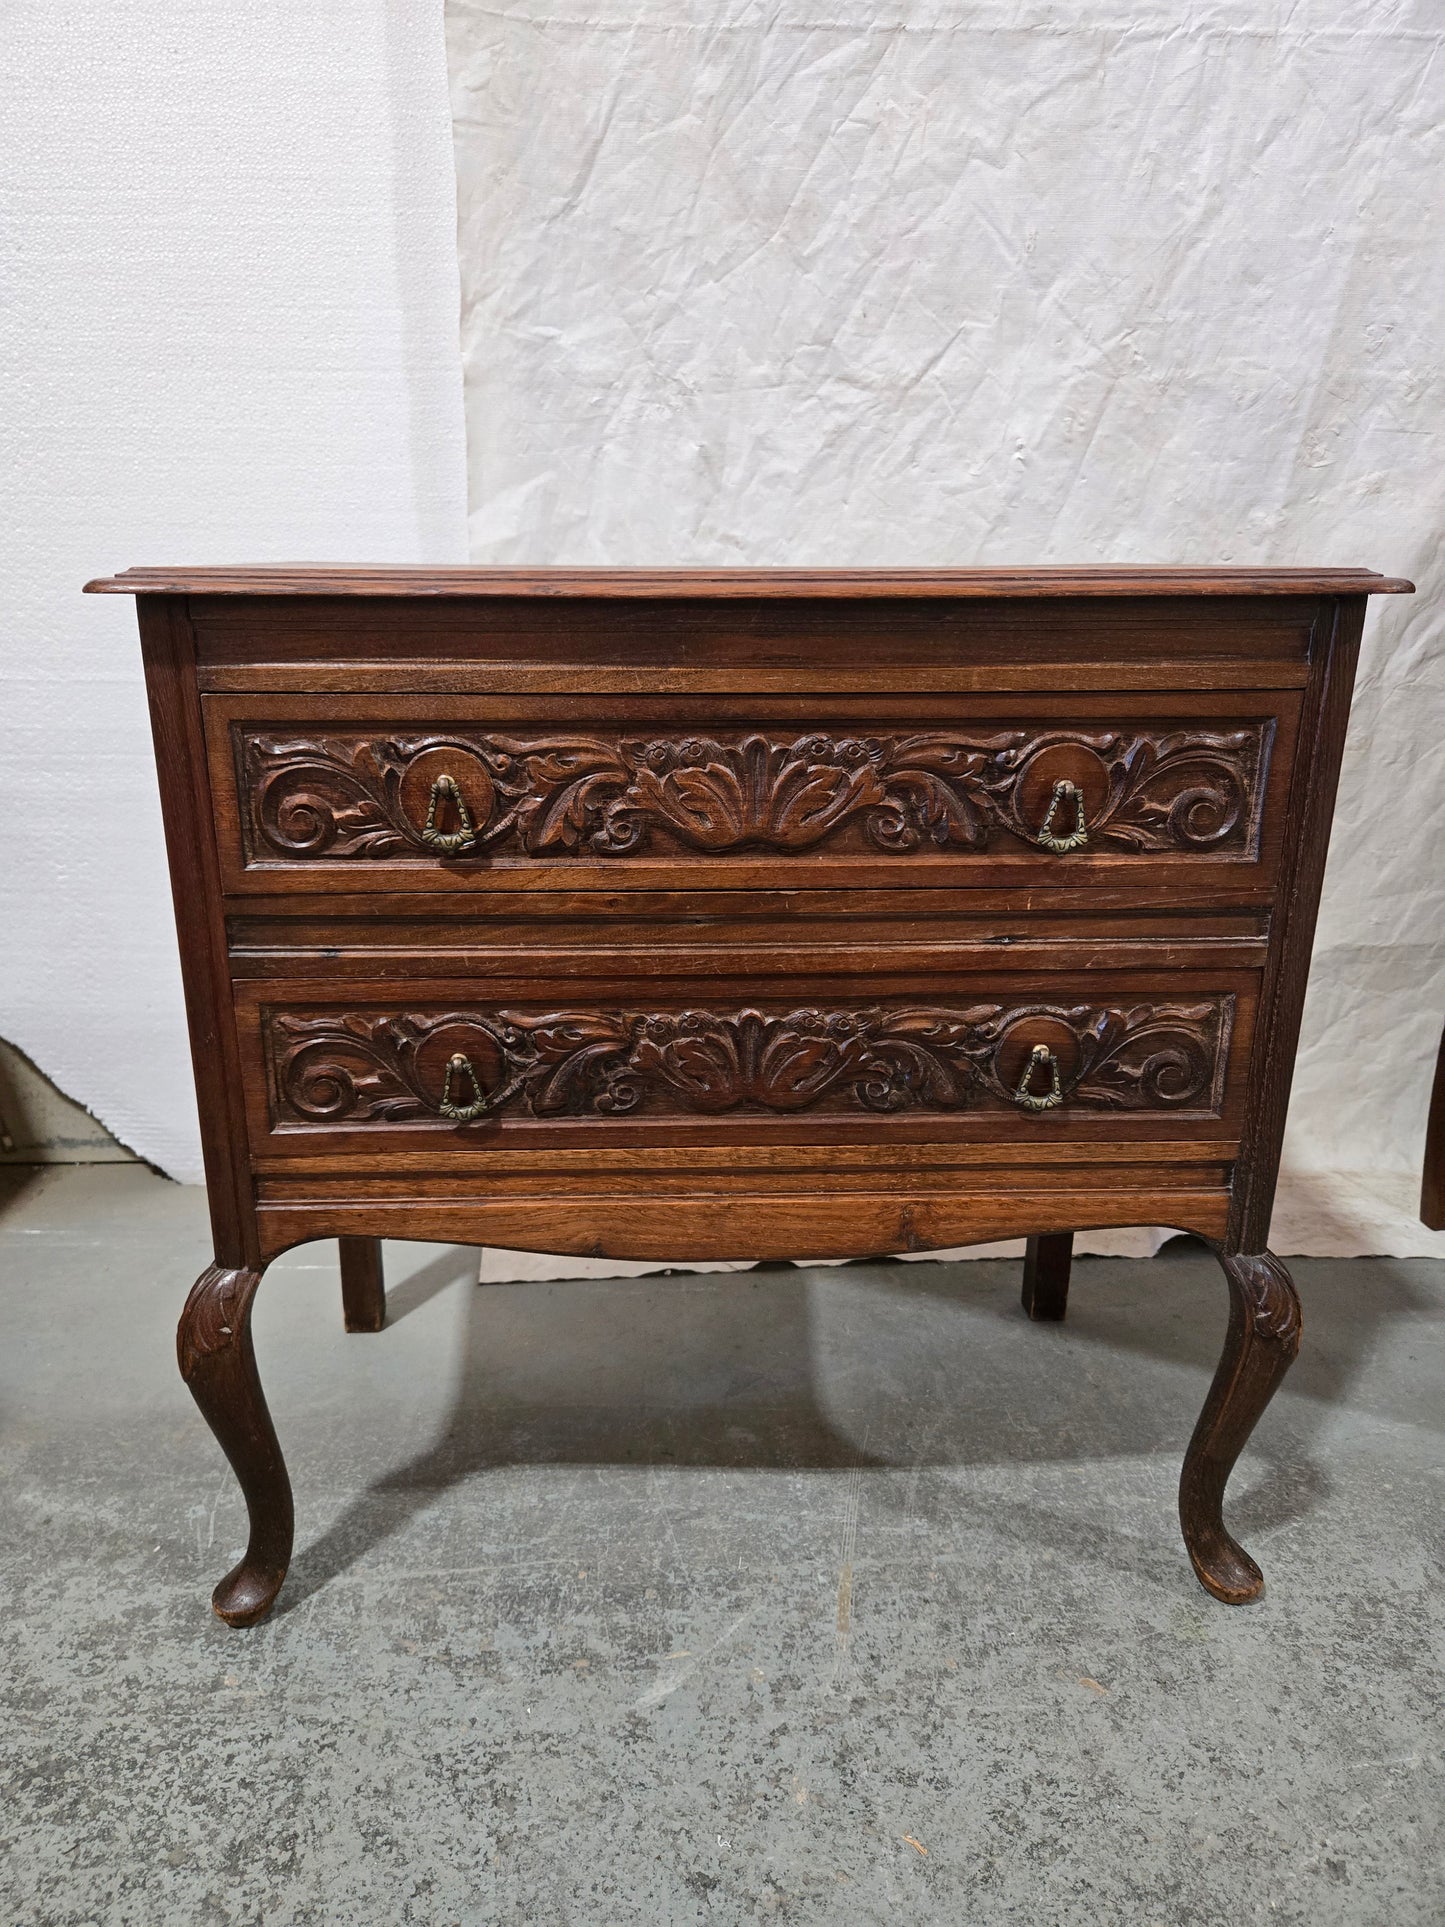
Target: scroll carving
x=357, y=1067
x=1269, y=1297
x=1171, y=790
x=215, y=1314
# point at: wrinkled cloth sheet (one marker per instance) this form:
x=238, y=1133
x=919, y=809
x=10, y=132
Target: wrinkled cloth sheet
x=995, y=284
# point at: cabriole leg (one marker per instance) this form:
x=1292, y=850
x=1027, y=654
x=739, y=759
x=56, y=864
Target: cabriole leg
x=218, y=1363
x=363, y=1288
x=1047, y=1263
x=1259, y=1348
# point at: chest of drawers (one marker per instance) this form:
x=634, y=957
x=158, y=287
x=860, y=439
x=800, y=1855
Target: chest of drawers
x=743, y=915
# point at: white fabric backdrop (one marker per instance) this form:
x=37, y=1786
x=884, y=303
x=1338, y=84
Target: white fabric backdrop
x=1003, y=283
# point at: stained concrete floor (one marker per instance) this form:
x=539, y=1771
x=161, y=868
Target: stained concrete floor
x=844, y=1596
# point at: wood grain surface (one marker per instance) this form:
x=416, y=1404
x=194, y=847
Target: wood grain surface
x=311, y=579
x=744, y=914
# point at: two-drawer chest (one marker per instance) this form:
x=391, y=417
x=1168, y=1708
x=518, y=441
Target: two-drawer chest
x=745, y=914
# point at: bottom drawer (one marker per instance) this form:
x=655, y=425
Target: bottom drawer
x=446, y=1071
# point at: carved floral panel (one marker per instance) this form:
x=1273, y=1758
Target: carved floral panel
x=367, y=1067
x=1170, y=790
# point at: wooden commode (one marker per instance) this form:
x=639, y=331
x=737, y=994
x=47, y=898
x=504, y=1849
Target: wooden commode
x=743, y=914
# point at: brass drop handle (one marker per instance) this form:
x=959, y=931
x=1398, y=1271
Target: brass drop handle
x=1070, y=793
x=1040, y=1058
x=452, y=841
x=459, y=1066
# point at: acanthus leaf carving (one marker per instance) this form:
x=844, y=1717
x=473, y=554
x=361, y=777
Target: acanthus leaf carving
x=362, y=1067
x=1269, y=1297
x=1159, y=791
x=215, y=1314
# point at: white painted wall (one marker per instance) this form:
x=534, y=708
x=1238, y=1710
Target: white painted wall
x=229, y=334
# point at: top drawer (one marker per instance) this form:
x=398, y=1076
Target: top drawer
x=362, y=794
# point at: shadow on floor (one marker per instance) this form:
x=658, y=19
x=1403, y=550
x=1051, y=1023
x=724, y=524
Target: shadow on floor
x=725, y=1372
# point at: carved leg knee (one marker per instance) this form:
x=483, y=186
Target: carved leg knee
x=1259, y=1348
x=218, y=1363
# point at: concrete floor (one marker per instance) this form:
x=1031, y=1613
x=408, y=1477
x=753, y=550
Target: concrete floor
x=845, y=1596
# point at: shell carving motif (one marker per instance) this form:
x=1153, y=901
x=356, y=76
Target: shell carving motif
x=356, y=1067
x=337, y=796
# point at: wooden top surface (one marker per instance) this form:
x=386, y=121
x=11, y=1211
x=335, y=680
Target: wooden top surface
x=277, y=579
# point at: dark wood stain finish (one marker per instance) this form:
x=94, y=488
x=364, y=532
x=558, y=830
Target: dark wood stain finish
x=363, y=1285
x=1432, y=1183
x=766, y=585
x=1048, y=1262
x=438, y=1068
x=376, y=797
x=694, y=913
x=612, y=793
